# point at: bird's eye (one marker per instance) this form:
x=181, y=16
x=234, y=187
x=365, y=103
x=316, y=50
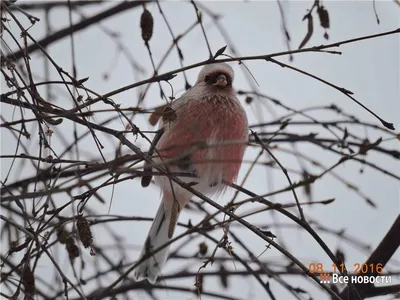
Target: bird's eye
x=207, y=78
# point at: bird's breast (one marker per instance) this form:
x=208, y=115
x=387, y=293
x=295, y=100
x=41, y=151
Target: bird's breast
x=213, y=131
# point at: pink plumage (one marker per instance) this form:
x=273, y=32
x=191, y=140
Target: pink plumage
x=207, y=138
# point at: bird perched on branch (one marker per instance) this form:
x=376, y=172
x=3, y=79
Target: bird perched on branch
x=204, y=134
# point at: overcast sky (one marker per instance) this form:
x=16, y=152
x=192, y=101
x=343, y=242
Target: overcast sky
x=370, y=69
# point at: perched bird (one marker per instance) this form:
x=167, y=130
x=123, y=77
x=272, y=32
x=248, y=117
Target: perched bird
x=205, y=134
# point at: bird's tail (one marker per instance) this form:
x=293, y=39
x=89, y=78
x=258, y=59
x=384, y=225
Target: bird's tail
x=160, y=233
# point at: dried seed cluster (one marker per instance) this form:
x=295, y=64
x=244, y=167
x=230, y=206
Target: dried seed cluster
x=203, y=248
x=62, y=235
x=85, y=234
x=199, y=283
x=174, y=217
x=28, y=281
x=323, y=17
x=146, y=24
x=72, y=248
x=223, y=276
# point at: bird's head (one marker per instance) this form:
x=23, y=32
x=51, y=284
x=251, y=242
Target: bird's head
x=219, y=75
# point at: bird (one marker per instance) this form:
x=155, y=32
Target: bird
x=204, y=134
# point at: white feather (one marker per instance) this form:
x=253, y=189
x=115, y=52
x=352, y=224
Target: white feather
x=157, y=237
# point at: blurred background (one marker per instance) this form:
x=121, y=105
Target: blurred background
x=58, y=170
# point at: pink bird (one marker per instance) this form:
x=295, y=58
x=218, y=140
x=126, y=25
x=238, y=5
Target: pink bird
x=206, y=137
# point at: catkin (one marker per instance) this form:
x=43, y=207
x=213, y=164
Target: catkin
x=28, y=281
x=199, y=283
x=323, y=17
x=72, y=248
x=174, y=217
x=84, y=232
x=203, y=248
x=62, y=235
x=223, y=276
x=146, y=24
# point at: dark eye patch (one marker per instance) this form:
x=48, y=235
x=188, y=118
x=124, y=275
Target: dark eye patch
x=212, y=77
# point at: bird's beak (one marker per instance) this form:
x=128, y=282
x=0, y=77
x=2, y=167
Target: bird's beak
x=221, y=81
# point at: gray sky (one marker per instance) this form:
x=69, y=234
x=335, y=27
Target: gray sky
x=370, y=69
